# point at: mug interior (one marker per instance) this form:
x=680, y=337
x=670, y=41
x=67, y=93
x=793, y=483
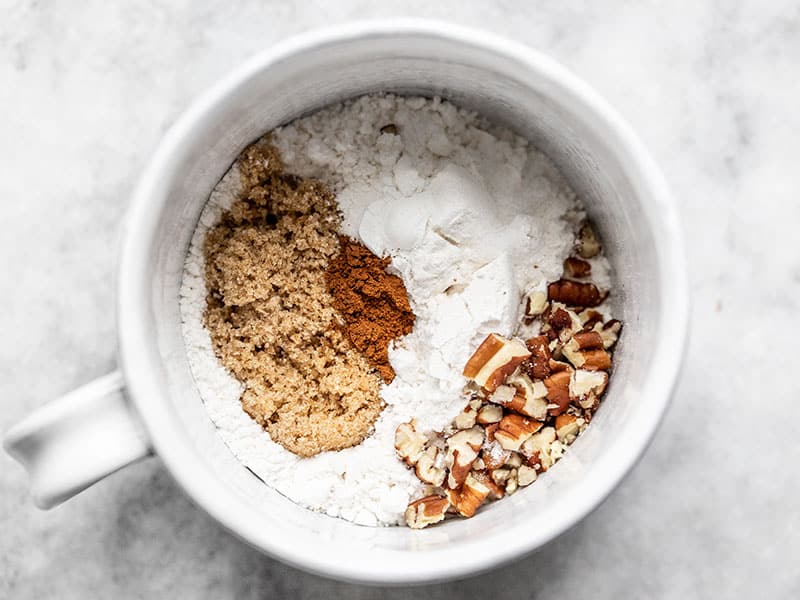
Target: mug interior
x=506, y=83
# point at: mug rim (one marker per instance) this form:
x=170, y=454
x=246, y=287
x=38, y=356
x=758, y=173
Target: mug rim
x=384, y=566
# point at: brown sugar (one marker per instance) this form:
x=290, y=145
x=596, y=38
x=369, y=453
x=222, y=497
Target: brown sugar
x=272, y=317
x=373, y=303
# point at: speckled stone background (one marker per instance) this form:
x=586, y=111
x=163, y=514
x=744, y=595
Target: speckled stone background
x=713, y=88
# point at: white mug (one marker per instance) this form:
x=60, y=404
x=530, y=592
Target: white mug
x=152, y=404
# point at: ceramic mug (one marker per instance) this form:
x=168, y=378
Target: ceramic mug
x=151, y=405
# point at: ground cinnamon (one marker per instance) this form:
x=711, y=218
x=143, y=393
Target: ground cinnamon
x=373, y=303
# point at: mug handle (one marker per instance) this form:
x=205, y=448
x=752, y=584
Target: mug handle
x=74, y=441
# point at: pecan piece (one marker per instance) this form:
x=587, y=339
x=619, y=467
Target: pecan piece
x=609, y=332
x=574, y=293
x=462, y=450
x=576, y=267
x=530, y=397
x=514, y=430
x=409, y=443
x=538, y=449
x=426, y=511
x=430, y=467
x=494, y=455
x=469, y=497
x=466, y=418
x=586, y=351
x=494, y=360
x=489, y=414
x=588, y=244
x=567, y=427
x=590, y=317
x=526, y=475
x=535, y=303
x=538, y=364
x=515, y=460
x=586, y=387
x=495, y=491
x=558, y=388
x=561, y=324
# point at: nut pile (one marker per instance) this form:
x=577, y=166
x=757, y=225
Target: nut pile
x=528, y=400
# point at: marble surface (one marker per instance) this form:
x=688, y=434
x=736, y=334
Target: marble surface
x=712, y=510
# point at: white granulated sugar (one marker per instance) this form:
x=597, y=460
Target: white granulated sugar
x=472, y=217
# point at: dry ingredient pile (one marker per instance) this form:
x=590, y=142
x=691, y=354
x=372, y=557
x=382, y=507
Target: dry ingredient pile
x=373, y=303
x=395, y=311
x=270, y=263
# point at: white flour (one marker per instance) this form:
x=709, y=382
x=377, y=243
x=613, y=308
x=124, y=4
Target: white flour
x=472, y=218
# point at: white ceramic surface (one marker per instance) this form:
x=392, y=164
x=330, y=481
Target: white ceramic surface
x=508, y=82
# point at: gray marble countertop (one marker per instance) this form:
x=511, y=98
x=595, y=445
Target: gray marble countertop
x=713, y=509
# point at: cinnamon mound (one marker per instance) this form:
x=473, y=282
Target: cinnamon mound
x=373, y=303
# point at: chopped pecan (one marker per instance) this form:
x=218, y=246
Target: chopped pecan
x=559, y=320
x=609, y=332
x=489, y=414
x=561, y=324
x=557, y=366
x=494, y=455
x=567, y=427
x=495, y=491
x=469, y=497
x=430, y=468
x=586, y=351
x=511, y=482
x=426, y=511
x=537, y=448
x=558, y=388
x=530, y=397
x=587, y=340
x=586, y=387
x=515, y=460
x=574, y=293
x=588, y=244
x=462, y=450
x=535, y=303
x=494, y=360
x=534, y=461
x=503, y=394
x=526, y=475
x=409, y=443
x=500, y=476
x=514, y=430
x=466, y=418
x=589, y=318
x=576, y=267
x=538, y=364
